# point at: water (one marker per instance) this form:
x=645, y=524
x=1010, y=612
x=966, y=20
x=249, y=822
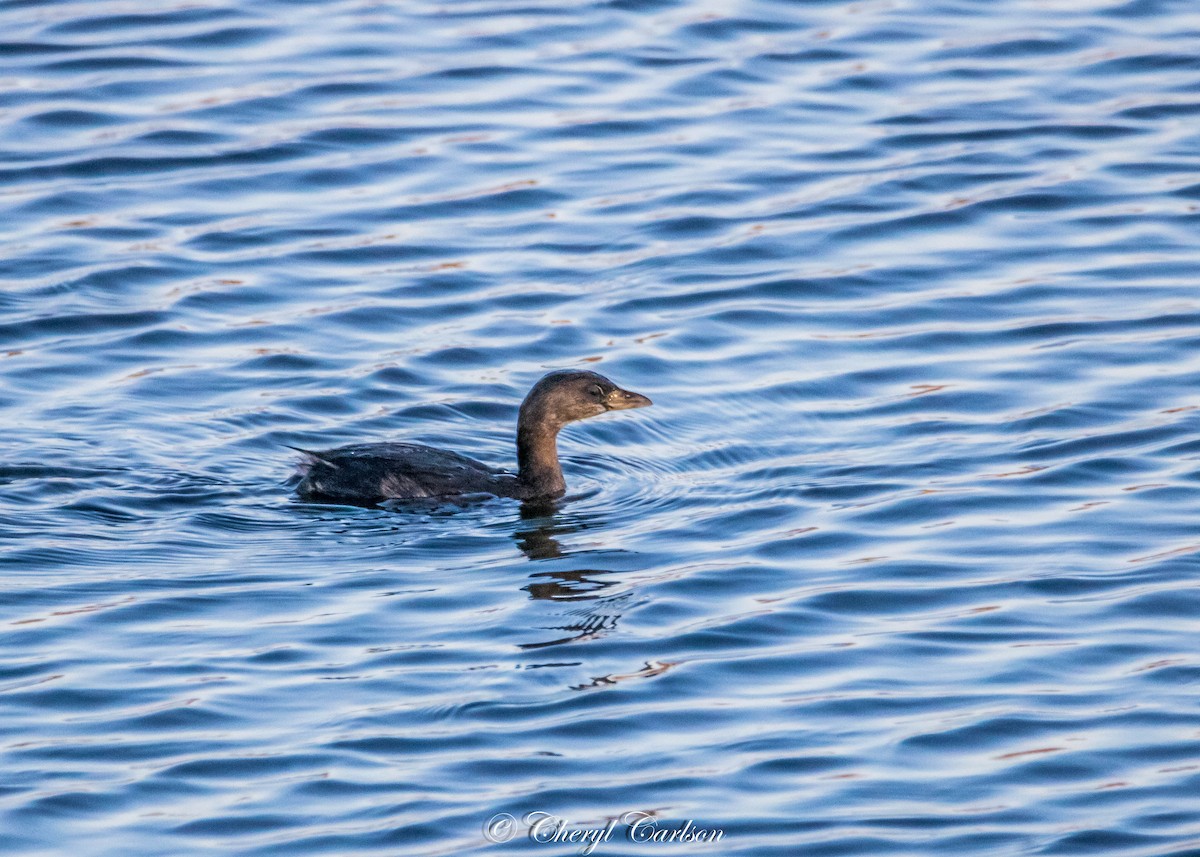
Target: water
x=901, y=562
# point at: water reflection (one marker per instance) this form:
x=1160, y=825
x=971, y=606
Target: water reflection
x=576, y=585
x=579, y=626
x=538, y=538
x=649, y=670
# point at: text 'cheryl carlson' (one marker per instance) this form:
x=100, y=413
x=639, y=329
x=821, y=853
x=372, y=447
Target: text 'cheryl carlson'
x=636, y=825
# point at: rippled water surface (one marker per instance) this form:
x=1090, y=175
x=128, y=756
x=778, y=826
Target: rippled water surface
x=902, y=561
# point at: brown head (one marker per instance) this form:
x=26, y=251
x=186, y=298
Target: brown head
x=560, y=398
x=571, y=394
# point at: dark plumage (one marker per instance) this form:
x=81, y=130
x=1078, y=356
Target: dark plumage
x=370, y=473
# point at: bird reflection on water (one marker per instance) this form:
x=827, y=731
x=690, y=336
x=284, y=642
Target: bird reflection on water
x=596, y=613
x=538, y=539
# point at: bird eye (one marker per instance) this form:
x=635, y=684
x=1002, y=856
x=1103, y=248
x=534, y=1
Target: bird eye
x=597, y=391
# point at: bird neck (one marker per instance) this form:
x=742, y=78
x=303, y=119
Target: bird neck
x=537, y=456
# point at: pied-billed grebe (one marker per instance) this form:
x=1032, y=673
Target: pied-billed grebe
x=370, y=473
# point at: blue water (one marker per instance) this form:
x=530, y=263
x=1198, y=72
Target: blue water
x=903, y=560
